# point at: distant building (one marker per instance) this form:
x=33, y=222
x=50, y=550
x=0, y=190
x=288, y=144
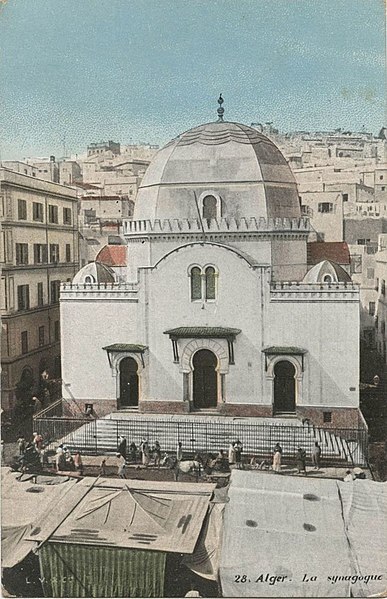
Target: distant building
x=381, y=301
x=325, y=210
x=102, y=147
x=39, y=251
x=46, y=168
x=69, y=172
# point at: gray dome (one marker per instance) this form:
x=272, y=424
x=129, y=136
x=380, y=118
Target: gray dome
x=235, y=162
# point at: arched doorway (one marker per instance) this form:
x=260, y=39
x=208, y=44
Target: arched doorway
x=284, y=387
x=128, y=383
x=205, y=380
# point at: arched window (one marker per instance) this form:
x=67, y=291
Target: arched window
x=209, y=207
x=196, y=283
x=89, y=279
x=327, y=279
x=210, y=283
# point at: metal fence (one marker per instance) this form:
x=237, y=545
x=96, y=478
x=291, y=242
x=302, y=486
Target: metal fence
x=99, y=436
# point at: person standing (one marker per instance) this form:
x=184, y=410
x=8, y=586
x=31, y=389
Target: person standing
x=277, y=457
x=179, y=451
x=133, y=452
x=238, y=454
x=121, y=465
x=157, y=454
x=301, y=460
x=38, y=442
x=102, y=467
x=316, y=455
x=78, y=462
x=22, y=445
x=231, y=454
x=122, y=446
x=145, y=453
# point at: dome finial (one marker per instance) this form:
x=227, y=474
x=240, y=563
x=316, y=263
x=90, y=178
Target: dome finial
x=220, y=110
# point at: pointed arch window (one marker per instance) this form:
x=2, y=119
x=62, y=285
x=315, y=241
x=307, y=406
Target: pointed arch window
x=210, y=283
x=196, y=283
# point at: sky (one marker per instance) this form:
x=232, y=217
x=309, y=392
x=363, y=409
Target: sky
x=146, y=70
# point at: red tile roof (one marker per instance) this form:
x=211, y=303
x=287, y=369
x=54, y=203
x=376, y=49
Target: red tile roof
x=335, y=251
x=112, y=255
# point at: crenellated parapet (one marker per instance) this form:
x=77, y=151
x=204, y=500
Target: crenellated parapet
x=222, y=225
x=285, y=291
x=127, y=292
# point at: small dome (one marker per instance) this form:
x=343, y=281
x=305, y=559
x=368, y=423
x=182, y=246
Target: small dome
x=94, y=272
x=327, y=272
x=238, y=165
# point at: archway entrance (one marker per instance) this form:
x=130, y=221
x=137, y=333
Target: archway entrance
x=205, y=380
x=128, y=383
x=284, y=387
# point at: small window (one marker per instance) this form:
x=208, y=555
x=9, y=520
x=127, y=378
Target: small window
x=345, y=197
x=41, y=336
x=37, y=212
x=371, y=308
x=376, y=284
x=22, y=209
x=40, y=295
x=40, y=253
x=55, y=289
x=383, y=288
x=327, y=279
x=56, y=330
x=325, y=207
x=370, y=273
x=53, y=214
x=327, y=416
x=383, y=188
x=54, y=252
x=89, y=279
x=209, y=207
x=196, y=283
x=23, y=297
x=68, y=252
x=381, y=177
x=24, y=342
x=67, y=216
x=210, y=283
x=21, y=253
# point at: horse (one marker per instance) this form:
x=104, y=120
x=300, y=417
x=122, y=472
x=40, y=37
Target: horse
x=191, y=467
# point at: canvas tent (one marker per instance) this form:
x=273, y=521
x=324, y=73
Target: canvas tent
x=23, y=503
x=110, y=538
x=280, y=531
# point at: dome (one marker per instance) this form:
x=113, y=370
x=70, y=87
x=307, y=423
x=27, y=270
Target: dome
x=327, y=272
x=239, y=166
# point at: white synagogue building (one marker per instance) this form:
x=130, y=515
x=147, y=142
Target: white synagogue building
x=213, y=310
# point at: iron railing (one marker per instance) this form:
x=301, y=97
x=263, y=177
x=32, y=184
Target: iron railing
x=99, y=436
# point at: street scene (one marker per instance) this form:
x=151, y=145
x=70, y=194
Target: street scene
x=193, y=287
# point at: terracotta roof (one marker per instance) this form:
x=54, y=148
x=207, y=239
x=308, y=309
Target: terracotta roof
x=112, y=255
x=198, y=332
x=334, y=251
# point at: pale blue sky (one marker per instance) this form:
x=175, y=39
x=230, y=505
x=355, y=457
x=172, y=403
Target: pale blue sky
x=149, y=69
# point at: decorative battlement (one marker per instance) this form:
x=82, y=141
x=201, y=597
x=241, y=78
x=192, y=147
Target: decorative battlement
x=295, y=291
x=214, y=225
x=99, y=291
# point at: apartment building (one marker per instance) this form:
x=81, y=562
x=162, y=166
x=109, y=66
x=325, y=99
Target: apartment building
x=39, y=251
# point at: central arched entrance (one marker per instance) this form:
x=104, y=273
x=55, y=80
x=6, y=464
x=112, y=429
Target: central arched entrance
x=284, y=387
x=205, y=380
x=128, y=383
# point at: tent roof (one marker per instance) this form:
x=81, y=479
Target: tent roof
x=129, y=514
x=23, y=503
x=291, y=526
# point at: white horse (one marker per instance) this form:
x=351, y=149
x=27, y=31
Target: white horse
x=191, y=467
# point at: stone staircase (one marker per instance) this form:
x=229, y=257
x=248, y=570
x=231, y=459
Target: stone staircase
x=208, y=434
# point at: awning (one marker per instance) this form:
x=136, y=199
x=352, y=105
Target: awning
x=129, y=348
x=203, y=332
x=282, y=350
